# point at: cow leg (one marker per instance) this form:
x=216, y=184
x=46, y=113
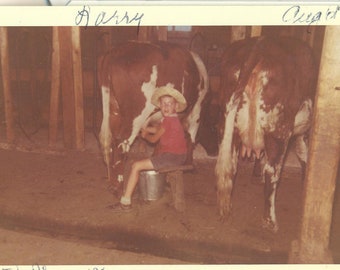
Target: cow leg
x=257, y=171
x=301, y=126
x=275, y=150
x=226, y=164
x=301, y=150
x=190, y=152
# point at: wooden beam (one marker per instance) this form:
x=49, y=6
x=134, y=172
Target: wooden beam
x=67, y=85
x=78, y=88
x=55, y=88
x=4, y=52
x=313, y=243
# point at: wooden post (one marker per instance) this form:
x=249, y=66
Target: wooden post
x=67, y=85
x=143, y=34
x=55, y=88
x=6, y=82
x=162, y=32
x=78, y=88
x=67, y=75
x=175, y=178
x=313, y=243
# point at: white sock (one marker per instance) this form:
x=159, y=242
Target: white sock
x=125, y=200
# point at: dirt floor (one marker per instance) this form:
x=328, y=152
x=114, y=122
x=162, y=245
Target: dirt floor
x=64, y=196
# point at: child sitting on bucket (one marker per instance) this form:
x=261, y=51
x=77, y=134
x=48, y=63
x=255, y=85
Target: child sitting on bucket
x=172, y=149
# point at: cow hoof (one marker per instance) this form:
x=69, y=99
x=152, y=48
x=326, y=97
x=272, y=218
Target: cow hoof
x=270, y=225
x=225, y=217
x=116, y=189
x=257, y=170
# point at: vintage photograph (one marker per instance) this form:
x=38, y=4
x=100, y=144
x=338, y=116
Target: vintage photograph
x=169, y=145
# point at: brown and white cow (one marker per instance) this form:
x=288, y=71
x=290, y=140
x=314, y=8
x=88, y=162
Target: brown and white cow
x=267, y=89
x=128, y=75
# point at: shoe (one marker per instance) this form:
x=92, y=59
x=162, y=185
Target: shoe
x=120, y=208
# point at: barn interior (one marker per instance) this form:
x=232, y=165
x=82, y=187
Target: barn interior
x=30, y=62
x=52, y=107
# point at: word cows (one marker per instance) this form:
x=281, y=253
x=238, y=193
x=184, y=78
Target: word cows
x=267, y=92
x=128, y=76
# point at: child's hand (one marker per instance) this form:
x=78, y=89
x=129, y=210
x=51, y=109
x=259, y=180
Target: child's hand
x=151, y=134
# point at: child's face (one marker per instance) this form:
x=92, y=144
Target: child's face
x=168, y=105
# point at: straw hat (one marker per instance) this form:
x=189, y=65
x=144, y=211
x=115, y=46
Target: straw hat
x=169, y=91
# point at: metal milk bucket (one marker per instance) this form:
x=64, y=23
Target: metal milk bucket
x=151, y=185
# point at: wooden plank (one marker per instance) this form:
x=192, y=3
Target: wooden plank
x=24, y=74
x=78, y=89
x=313, y=243
x=4, y=52
x=67, y=85
x=55, y=89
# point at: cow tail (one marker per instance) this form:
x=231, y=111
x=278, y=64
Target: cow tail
x=256, y=51
x=193, y=118
x=105, y=135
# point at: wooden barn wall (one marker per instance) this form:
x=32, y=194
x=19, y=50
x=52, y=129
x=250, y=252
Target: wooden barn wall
x=30, y=54
x=29, y=72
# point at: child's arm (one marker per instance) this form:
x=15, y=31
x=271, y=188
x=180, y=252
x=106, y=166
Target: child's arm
x=152, y=134
x=150, y=129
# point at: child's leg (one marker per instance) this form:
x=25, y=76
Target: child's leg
x=138, y=166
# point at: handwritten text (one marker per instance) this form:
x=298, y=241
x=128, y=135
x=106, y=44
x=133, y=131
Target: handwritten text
x=85, y=18
x=297, y=15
